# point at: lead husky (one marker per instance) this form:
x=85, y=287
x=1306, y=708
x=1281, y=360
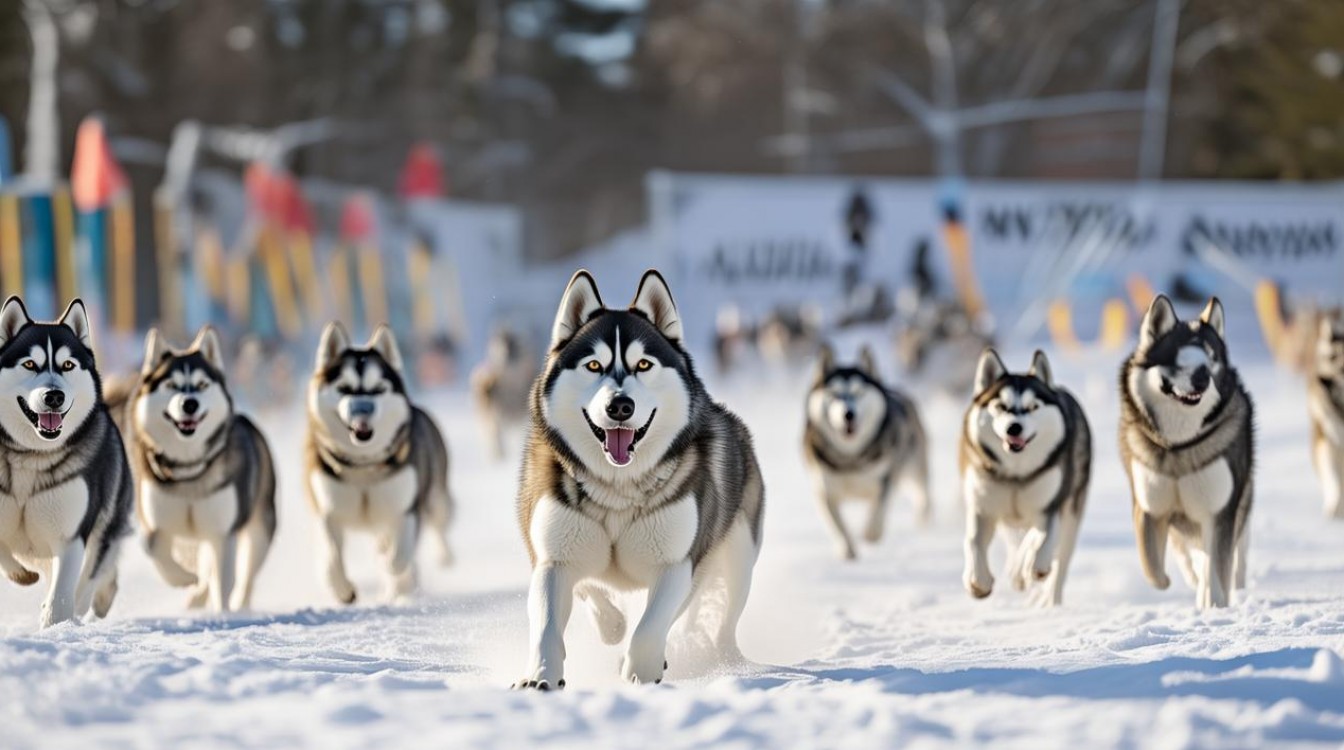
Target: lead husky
x=862, y=439
x=1325, y=400
x=1026, y=458
x=1186, y=442
x=206, y=476
x=65, y=487
x=376, y=462
x=633, y=478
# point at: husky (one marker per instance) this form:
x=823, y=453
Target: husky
x=1325, y=400
x=861, y=440
x=205, y=474
x=633, y=478
x=1026, y=458
x=1186, y=441
x=376, y=462
x=65, y=486
x=500, y=385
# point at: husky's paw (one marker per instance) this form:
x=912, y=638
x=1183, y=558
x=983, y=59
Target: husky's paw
x=1161, y=584
x=846, y=552
x=179, y=578
x=102, y=601
x=979, y=588
x=542, y=679
x=23, y=577
x=642, y=669
x=53, y=615
x=198, y=597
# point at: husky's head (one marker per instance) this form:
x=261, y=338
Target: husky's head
x=847, y=404
x=1180, y=372
x=357, y=396
x=48, y=383
x=1015, y=419
x=618, y=386
x=182, y=401
x=1330, y=344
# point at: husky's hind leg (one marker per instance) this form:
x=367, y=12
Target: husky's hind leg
x=254, y=543
x=736, y=566
x=1239, y=559
x=608, y=617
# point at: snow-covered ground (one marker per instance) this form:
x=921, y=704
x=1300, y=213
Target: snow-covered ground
x=881, y=652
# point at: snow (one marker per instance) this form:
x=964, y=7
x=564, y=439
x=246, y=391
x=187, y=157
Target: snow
x=885, y=651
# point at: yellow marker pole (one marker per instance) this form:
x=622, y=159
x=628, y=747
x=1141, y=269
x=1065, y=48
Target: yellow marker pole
x=371, y=285
x=420, y=267
x=305, y=272
x=958, y=242
x=1114, y=325
x=11, y=246
x=1141, y=293
x=165, y=246
x=339, y=277
x=282, y=290
x=239, y=289
x=1272, y=325
x=213, y=265
x=123, y=264
x=1059, y=320
x=67, y=274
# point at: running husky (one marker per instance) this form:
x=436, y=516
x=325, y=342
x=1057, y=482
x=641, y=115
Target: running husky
x=861, y=439
x=376, y=462
x=500, y=384
x=1026, y=458
x=1325, y=399
x=205, y=473
x=632, y=479
x=65, y=487
x=1187, y=444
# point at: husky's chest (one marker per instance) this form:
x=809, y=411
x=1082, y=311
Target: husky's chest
x=1198, y=495
x=39, y=522
x=376, y=501
x=1013, y=503
x=189, y=511
x=860, y=483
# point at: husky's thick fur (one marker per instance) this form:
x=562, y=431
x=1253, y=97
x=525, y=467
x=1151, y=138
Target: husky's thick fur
x=1186, y=441
x=65, y=486
x=500, y=385
x=1026, y=458
x=633, y=478
x=206, y=478
x=1325, y=400
x=376, y=462
x=861, y=440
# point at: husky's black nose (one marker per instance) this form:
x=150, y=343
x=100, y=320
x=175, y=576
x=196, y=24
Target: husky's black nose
x=190, y=405
x=621, y=408
x=53, y=399
x=1200, y=379
x=849, y=415
x=1014, y=429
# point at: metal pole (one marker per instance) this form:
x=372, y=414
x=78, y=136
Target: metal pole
x=1157, y=97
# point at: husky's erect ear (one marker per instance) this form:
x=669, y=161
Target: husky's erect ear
x=1212, y=315
x=989, y=370
x=868, y=362
x=207, y=343
x=1040, y=368
x=155, y=350
x=654, y=300
x=76, y=318
x=1330, y=320
x=1160, y=318
x=334, y=341
x=825, y=363
x=581, y=302
x=13, y=316
x=384, y=342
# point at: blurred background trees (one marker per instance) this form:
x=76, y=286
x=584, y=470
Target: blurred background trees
x=563, y=106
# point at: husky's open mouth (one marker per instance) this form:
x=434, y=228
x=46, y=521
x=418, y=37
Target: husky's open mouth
x=619, y=442
x=361, y=431
x=188, y=425
x=1017, y=444
x=48, y=423
x=1189, y=399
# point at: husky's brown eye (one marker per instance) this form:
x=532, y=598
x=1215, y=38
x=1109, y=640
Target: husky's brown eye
x=29, y=365
x=594, y=366
x=644, y=365
x=68, y=365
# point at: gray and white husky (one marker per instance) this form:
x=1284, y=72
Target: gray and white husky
x=1186, y=441
x=633, y=479
x=205, y=473
x=65, y=486
x=863, y=439
x=376, y=462
x=1325, y=400
x=1026, y=458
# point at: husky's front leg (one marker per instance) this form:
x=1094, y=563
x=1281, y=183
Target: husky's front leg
x=160, y=548
x=1216, y=536
x=646, y=659
x=979, y=531
x=830, y=508
x=1152, y=532
x=15, y=569
x=224, y=552
x=65, y=567
x=549, y=603
x=334, y=562
x=877, y=514
x=1043, y=540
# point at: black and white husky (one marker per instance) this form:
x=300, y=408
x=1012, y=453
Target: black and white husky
x=65, y=486
x=376, y=462
x=633, y=479
x=1026, y=457
x=861, y=440
x=206, y=477
x=1187, y=444
x=1325, y=400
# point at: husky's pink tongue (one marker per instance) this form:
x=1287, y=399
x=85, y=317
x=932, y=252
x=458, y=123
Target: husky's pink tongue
x=49, y=421
x=619, y=440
